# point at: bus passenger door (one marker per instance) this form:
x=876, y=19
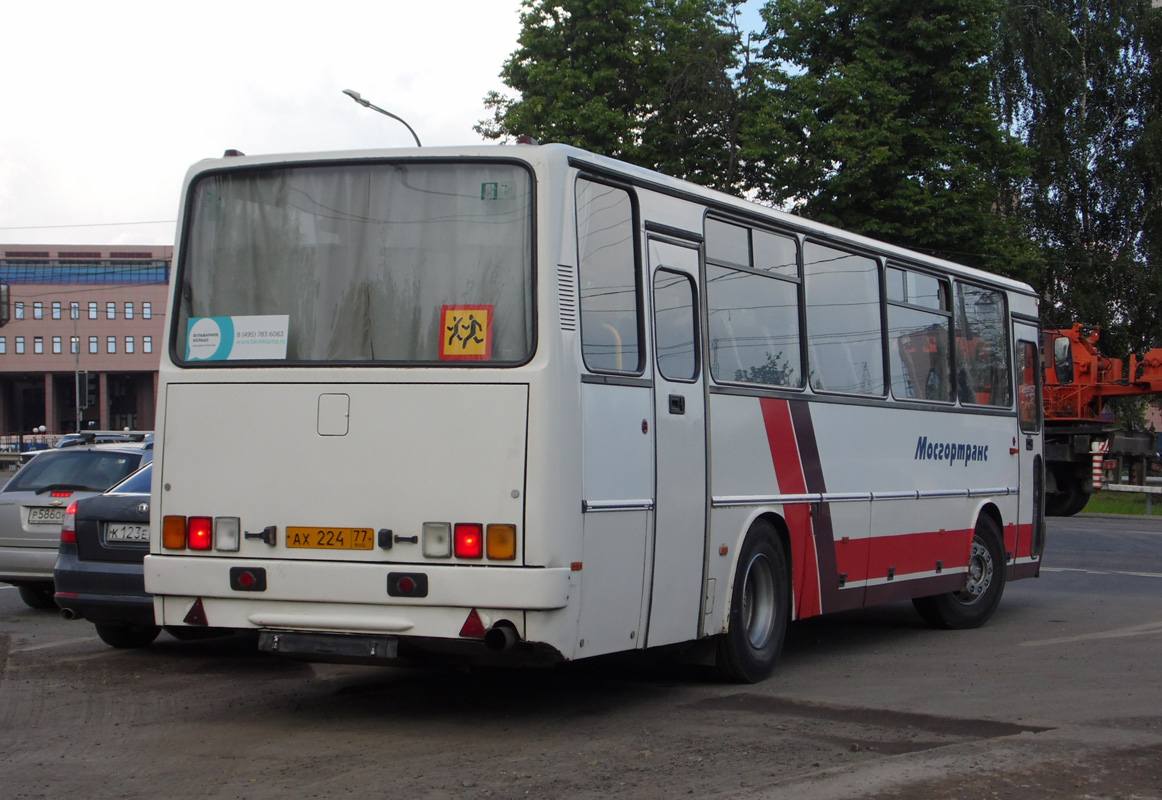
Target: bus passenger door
x=680, y=445
x=1031, y=505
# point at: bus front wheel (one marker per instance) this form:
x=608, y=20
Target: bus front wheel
x=973, y=605
x=759, y=609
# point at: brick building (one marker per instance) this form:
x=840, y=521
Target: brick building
x=85, y=316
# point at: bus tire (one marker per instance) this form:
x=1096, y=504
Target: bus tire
x=973, y=605
x=127, y=636
x=759, y=609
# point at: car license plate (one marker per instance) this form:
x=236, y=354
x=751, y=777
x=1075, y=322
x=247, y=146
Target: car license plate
x=46, y=515
x=330, y=538
x=127, y=533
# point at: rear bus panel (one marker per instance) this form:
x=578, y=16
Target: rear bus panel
x=395, y=456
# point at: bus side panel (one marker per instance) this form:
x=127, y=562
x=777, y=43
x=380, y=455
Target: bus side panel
x=745, y=448
x=926, y=474
x=618, y=522
x=890, y=494
x=840, y=530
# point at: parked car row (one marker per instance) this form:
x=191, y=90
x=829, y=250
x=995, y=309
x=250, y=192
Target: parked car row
x=98, y=573
x=74, y=532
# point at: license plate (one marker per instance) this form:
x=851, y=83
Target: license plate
x=330, y=538
x=127, y=533
x=46, y=515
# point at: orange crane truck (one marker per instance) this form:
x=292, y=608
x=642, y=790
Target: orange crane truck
x=1080, y=430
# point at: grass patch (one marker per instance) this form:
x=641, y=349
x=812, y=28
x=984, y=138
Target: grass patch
x=1121, y=503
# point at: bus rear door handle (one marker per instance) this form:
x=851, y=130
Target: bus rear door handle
x=677, y=404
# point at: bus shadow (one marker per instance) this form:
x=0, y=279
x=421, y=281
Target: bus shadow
x=852, y=632
x=592, y=687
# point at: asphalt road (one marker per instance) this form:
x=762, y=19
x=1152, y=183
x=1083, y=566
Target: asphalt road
x=1059, y=696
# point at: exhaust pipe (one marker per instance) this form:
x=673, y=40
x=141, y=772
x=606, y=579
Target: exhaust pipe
x=500, y=636
x=70, y=614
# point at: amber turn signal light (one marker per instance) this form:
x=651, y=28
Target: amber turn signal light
x=502, y=542
x=173, y=533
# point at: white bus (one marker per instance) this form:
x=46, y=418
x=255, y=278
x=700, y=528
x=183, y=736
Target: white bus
x=531, y=404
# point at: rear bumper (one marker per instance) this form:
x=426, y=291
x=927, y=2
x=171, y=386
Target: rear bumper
x=107, y=608
x=527, y=588
x=349, y=597
x=103, y=591
x=27, y=564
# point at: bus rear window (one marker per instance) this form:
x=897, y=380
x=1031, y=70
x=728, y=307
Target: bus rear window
x=418, y=264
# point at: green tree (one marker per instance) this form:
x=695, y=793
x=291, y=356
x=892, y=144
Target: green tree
x=877, y=118
x=1150, y=161
x=1075, y=80
x=647, y=81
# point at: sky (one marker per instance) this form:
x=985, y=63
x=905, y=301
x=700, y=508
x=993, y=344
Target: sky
x=104, y=106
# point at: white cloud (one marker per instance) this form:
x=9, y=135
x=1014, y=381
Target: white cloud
x=106, y=105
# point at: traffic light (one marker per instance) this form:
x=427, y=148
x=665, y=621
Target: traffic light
x=92, y=389
x=88, y=389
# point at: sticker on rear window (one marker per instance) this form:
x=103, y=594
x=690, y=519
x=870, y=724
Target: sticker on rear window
x=237, y=338
x=466, y=333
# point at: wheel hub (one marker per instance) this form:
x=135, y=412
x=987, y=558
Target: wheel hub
x=758, y=602
x=980, y=574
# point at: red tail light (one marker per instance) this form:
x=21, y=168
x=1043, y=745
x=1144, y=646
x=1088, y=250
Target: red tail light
x=469, y=538
x=69, y=525
x=200, y=533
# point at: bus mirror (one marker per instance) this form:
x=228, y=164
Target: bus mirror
x=1063, y=359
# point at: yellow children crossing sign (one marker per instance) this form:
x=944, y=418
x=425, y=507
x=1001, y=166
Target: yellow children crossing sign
x=465, y=333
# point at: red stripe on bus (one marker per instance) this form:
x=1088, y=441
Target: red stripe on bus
x=1025, y=541
x=789, y=473
x=784, y=447
x=918, y=552
x=851, y=557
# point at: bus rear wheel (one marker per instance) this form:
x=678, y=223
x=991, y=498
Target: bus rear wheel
x=759, y=609
x=973, y=605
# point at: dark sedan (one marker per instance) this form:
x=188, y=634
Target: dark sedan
x=99, y=575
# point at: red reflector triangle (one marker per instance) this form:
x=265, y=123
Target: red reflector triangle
x=473, y=627
x=197, y=615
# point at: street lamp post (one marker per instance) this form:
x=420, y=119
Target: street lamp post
x=75, y=313
x=354, y=95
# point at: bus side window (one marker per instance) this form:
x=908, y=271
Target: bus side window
x=844, y=330
x=1028, y=396
x=754, y=327
x=752, y=298
x=919, y=319
x=610, y=321
x=674, y=325
x=984, y=376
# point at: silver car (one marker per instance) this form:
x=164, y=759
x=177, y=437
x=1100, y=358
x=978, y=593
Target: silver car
x=33, y=503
